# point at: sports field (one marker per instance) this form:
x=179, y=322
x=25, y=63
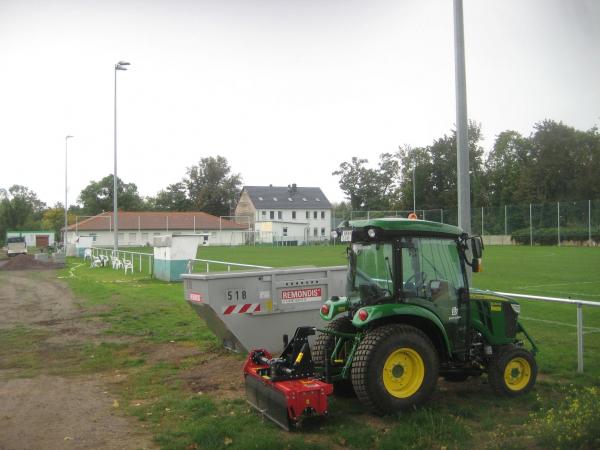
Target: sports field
x=172, y=375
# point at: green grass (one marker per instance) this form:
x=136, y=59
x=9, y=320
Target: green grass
x=149, y=314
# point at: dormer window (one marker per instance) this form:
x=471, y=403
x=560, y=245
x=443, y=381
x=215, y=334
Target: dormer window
x=303, y=199
x=260, y=199
x=274, y=199
x=318, y=199
x=290, y=199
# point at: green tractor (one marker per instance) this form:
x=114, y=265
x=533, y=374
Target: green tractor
x=409, y=317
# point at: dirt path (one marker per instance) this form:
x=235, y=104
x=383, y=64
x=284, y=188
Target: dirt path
x=49, y=411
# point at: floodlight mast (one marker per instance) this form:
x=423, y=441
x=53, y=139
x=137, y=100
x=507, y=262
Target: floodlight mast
x=121, y=65
x=462, y=146
x=66, y=205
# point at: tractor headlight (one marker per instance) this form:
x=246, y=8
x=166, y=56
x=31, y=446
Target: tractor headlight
x=371, y=233
x=516, y=307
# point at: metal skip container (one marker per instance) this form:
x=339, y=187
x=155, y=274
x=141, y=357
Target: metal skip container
x=254, y=309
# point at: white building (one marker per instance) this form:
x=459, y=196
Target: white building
x=292, y=213
x=38, y=239
x=139, y=228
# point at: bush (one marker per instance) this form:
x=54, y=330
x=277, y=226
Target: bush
x=549, y=236
x=573, y=424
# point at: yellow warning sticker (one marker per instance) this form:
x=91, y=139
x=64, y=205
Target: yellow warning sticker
x=496, y=307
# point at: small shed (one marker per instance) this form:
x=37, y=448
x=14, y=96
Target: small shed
x=40, y=239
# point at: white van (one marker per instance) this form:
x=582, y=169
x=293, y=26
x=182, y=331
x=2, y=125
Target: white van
x=16, y=246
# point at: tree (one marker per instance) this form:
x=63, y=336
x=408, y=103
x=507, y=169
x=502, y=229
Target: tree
x=97, y=196
x=211, y=187
x=173, y=198
x=54, y=219
x=20, y=209
x=367, y=188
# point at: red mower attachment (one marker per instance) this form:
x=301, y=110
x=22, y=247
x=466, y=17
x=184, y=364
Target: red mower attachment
x=284, y=389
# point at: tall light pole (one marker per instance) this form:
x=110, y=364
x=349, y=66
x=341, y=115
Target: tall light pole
x=462, y=140
x=414, y=189
x=121, y=65
x=66, y=205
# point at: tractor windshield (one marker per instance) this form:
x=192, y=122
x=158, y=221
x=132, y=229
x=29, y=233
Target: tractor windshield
x=371, y=268
x=431, y=269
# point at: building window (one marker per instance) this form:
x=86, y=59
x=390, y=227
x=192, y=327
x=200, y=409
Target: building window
x=294, y=215
x=308, y=214
x=94, y=236
x=144, y=238
x=279, y=215
x=121, y=236
x=271, y=214
x=285, y=231
x=132, y=237
x=322, y=231
x=314, y=214
x=315, y=232
x=322, y=214
x=264, y=214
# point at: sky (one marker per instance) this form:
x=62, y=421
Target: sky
x=286, y=90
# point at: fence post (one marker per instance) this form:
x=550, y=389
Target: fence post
x=590, y=222
x=530, y=227
x=505, y=223
x=442, y=211
x=579, y=338
x=149, y=265
x=558, y=221
x=140, y=262
x=482, y=220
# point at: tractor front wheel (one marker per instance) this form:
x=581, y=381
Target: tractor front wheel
x=512, y=372
x=394, y=368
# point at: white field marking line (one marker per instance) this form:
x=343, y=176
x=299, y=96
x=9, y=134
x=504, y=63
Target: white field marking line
x=570, y=283
x=554, y=322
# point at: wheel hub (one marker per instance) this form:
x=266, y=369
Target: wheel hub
x=403, y=372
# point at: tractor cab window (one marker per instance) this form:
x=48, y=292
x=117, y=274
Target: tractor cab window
x=371, y=267
x=431, y=270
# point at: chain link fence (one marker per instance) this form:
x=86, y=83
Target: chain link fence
x=557, y=223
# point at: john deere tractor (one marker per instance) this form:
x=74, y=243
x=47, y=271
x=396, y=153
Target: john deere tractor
x=408, y=318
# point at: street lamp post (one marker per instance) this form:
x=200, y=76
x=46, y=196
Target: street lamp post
x=66, y=205
x=121, y=65
x=414, y=189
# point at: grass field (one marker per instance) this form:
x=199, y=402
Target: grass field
x=464, y=415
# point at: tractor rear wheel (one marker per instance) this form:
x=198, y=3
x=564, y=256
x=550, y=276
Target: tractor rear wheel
x=394, y=368
x=326, y=342
x=512, y=372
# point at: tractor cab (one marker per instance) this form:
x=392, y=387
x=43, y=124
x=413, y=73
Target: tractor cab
x=409, y=262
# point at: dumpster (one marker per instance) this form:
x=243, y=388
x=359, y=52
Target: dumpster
x=254, y=309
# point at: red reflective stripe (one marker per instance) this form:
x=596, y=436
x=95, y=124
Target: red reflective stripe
x=257, y=309
x=229, y=309
x=245, y=308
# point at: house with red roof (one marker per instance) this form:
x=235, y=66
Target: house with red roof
x=138, y=228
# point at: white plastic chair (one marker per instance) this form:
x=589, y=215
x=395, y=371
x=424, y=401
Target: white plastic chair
x=87, y=254
x=118, y=264
x=96, y=262
x=128, y=265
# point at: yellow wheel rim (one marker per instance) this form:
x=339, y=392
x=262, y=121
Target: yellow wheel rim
x=403, y=372
x=517, y=374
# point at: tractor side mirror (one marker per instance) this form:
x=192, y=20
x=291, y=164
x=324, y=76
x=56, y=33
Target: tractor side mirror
x=476, y=247
x=477, y=253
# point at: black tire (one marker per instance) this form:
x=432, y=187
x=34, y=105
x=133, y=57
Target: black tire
x=326, y=341
x=512, y=372
x=382, y=360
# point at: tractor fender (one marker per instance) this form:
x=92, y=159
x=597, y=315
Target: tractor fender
x=419, y=317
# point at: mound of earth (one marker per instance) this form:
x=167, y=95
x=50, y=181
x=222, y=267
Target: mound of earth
x=28, y=262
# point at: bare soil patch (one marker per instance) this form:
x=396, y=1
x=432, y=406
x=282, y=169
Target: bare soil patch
x=28, y=262
x=220, y=377
x=55, y=412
